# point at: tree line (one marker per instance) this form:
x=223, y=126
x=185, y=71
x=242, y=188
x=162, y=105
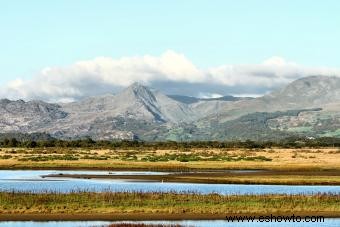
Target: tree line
x=293, y=142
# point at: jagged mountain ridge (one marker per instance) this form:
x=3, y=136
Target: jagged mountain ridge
x=141, y=112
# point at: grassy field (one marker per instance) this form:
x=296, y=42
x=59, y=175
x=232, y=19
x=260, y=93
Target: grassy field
x=171, y=160
x=166, y=205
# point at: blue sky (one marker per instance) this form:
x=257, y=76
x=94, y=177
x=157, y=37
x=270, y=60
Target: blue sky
x=39, y=33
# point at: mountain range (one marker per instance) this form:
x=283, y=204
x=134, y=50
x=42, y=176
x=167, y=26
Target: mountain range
x=307, y=107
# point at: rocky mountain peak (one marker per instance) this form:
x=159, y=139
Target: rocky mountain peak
x=137, y=86
x=139, y=91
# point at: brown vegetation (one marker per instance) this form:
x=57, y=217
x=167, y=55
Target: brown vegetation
x=165, y=204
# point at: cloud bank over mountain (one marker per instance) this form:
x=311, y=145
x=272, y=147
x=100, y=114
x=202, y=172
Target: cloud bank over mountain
x=171, y=72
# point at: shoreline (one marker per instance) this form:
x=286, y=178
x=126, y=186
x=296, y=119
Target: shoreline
x=264, y=177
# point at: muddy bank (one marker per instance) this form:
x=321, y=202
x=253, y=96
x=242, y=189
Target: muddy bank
x=331, y=177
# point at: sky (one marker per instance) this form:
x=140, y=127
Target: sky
x=67, y=50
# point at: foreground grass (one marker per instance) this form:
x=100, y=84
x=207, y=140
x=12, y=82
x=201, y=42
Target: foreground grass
x=166, y=203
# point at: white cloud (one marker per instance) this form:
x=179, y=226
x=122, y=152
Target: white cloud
x=208, y=95
x=171, y=72
x=277, y=61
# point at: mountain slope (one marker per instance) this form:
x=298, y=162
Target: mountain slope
x=309, y=92
x=313, y=91
x=27, y=116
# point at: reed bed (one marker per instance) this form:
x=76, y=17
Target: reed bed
x=171, y=203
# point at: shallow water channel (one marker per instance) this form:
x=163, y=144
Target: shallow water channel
x=32, y=180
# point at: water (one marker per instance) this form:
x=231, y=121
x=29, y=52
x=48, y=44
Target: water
x=31, y=180
x=220, y=223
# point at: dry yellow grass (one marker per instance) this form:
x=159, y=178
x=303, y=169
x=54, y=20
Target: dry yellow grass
x=165, y=203
x=282, y=159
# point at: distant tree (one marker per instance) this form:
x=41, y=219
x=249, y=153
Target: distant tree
x=13, y=142
x=6, y=142
x=31, y=144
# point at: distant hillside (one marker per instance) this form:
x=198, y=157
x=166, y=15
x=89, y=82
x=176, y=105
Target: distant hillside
x=26, y=137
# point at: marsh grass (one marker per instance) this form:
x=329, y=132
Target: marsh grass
x=181, y=155
x=155, y=202
x=40, y=158
x=6, y=156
